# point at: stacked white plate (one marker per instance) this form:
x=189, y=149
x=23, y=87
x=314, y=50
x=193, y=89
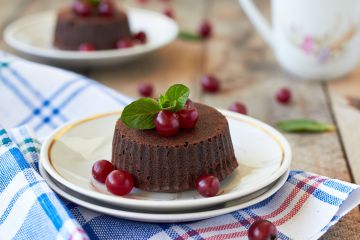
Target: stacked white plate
x=67, y=156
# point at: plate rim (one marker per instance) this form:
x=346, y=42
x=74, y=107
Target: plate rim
x=58, y=54
x=163, y=217
x=142, y=203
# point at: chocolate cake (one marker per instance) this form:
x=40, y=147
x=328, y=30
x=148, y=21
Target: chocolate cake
x=102, y=32
x=172, y=164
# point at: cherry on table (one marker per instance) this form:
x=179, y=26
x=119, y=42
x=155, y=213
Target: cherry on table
x=141, y=37
x=86, y=47
x=146, y=89
x=210, y=84
x=207, y=185
x=238, y=107
x=168, y=11
x=167, y=123
x=262, y=230
x=119, y=182
x=101, y=169
x=124, y=43
x=106, y=8
x=283, y=96
x=82, y=8
x=188, y=115
x=205, y=29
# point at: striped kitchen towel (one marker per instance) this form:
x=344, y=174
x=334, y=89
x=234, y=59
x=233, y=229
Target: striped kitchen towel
x=43, y=97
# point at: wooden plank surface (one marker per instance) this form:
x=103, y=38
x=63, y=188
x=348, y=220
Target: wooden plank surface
x=249, y=73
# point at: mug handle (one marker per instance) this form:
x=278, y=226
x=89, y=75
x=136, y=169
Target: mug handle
x=258, y=20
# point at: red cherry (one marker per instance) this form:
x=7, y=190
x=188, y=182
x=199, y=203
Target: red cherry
x=210, y=83
x=166, y=123
x=119, y=182
x=207, y=185
x=124, y=43
x=82, y=8
x=262, y=230
x=106, y=8
x=283, y=96
x=145, y=90
x=101, y=170
x=86, y=47
x=238, y=107
x=143, y=1
x=141, y=37
x=188, y=116
x=169, y=12
x=205, y=29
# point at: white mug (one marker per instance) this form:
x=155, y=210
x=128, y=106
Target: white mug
x=314, y=39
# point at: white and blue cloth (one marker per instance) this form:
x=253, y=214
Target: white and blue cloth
x=35, y=99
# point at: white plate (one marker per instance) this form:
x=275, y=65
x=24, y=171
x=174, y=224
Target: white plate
x=167, y=217
x=69, y=152
x=33, y=37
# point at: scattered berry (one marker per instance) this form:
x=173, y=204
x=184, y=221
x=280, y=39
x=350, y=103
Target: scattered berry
x=86, y=47
x=145, y=90
x=238, y=107
x=210, y=84
x=140, y=37
x=169, y=12
x=101, y=170
x=188, y=116
x=82, y=8
x=262, y=230
x=166, y=123
x=106, y=8
x=119, y=182
x=283, y=96
x=207, y=185
x=205, y=29
x=124, y=43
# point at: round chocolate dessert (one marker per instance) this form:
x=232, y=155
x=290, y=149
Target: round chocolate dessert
x=172, y=164
x=102, y=32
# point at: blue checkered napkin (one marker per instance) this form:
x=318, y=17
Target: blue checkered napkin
x=29, y=209
x=43, y=98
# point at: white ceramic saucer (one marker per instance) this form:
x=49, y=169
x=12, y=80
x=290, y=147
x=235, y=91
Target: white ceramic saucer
x=69, y=152
x=32, y=36
x=168, y=217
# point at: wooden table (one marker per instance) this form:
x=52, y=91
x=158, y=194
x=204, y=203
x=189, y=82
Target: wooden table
x=250, y=74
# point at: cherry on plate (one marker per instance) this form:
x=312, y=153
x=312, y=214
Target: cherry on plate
x=207, y=185
x=167, y=123
x=119, y=182
x=238, y=107
x=168, y=11
x=82, y=8
x=283, y=96
x=86, y=47
x=140, y=37
x=188, y=116
x=124, y=43
x=262, y=230
x=101, y=169
x=106, y=8
x=146, y=89
x=210, y=84
x=205, y=29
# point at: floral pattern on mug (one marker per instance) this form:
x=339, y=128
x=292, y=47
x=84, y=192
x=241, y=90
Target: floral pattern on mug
x=323, y=48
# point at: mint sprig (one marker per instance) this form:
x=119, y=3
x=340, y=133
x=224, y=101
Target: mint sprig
x=304, y=126
x=141, y=113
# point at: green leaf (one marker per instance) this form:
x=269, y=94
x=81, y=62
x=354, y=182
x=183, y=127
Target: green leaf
x=189, y=36
x=141, y=113
x=175, y=97
x=304, y=125
x=94, y=2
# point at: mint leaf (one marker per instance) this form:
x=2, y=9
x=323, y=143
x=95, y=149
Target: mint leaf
x=175, y=97
x=141, y=113
x=304, y=125
x=189, y=36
